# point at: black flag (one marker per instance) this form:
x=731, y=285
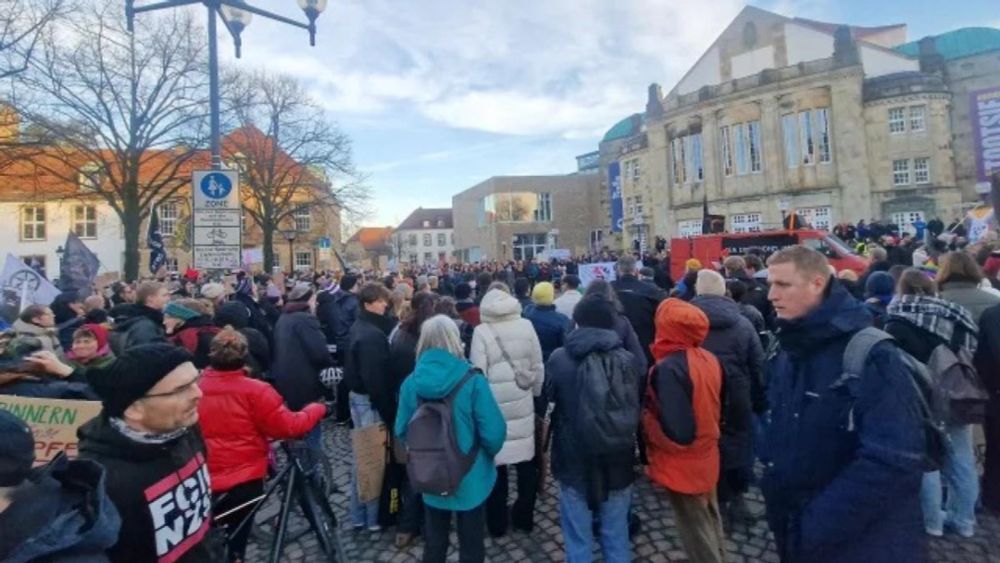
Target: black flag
x=154, y=240
x=79, y=266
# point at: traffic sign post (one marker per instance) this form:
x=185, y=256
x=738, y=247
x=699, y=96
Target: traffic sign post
x=217, y=219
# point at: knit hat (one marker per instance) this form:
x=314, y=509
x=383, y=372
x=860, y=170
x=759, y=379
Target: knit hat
x=879, y=284
x=463, y=291
x=301, y=292
x=543, y=294
x=17, y=450
x=693, y=264
x=99, y=333
x=178, y=311
x=595, y=312
x=234, y=314
x=348, y=282
x=213, y=290
x=710, y=283
x=134, y=373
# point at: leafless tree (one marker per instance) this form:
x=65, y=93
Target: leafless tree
x=22, y=25
x=290, y=155
x=125, y=111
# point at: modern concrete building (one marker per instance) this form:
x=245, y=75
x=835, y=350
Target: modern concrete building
x=836, y=122
x=520, y=217
x=426, y=237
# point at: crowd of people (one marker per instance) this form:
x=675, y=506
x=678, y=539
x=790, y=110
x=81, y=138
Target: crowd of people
x=494, y=376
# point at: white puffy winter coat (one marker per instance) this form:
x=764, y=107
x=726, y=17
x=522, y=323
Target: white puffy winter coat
x=501, y=318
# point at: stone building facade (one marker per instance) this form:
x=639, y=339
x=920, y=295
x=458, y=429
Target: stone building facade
x=836, y=123
x=520, y=217
x=425, y=238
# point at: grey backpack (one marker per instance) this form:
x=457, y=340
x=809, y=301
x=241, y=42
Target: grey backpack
x=435, y=463
x=933, y=405
x=957, y=381
x=609, y=406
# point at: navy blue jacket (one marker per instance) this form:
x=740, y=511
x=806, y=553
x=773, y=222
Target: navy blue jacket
x=842, y=483
x=550, y=325
x=562, y=388
x=62, y=513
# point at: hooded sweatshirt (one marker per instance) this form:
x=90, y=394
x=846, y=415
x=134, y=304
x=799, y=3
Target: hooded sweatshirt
x=477, y=420
x=161, y=491
x=62, y=513
x=681, y=412
x=502, y=321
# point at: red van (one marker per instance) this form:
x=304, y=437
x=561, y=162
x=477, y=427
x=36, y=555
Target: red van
x=711, y=250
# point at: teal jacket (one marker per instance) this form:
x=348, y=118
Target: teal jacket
x=477, y=417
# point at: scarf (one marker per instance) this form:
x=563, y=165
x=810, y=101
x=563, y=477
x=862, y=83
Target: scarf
x=145, y=437
x=937, y=316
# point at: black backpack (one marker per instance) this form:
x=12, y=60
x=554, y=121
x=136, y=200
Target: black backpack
x=957, y=381
x=933, y=405
x=435, y=463
x=609, y=406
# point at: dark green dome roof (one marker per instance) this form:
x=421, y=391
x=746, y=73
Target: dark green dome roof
x=624, y=128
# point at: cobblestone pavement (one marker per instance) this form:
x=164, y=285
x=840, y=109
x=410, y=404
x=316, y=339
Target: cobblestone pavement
x=658, y=540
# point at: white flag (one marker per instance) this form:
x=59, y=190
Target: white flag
x=27, y=282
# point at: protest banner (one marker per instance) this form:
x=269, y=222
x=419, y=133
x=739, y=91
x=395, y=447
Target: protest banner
x=53, y=422
x=370, y=447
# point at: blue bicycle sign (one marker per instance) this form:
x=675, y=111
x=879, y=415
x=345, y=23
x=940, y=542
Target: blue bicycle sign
x=216, y=185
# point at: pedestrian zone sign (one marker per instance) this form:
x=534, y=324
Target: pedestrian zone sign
x=217, y=220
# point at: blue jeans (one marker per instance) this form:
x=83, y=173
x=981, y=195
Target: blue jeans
x=959, y=473
x=362, y=415
x=577, y=521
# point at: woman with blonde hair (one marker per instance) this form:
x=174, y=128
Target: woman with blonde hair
x=442, y=370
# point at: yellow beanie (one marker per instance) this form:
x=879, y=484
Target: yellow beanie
x=543, y=294
x=693, y=264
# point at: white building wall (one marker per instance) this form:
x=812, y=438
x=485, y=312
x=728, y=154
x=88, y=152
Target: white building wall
x=878, y=62
x=752, y=62
x=420, y=249
x=806, y=44
x=705, y=72
x=108, y=245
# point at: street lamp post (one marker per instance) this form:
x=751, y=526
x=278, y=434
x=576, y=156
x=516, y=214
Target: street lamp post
x=290, y=235
x=236, y=16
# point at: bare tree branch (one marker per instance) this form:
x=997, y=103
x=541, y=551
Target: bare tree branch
x=22, y=24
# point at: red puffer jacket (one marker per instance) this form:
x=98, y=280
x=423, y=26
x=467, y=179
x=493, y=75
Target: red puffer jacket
x=238, y=415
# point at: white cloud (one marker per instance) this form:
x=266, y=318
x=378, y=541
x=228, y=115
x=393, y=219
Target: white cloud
x=561, y=67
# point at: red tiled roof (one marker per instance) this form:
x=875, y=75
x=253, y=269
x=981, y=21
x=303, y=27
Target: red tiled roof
x=372, y=238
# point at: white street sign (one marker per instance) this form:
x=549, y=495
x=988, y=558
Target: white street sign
x=217, y=213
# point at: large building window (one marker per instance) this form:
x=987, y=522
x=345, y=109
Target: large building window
x=791, y=135
x=33, y=222
x=727, y=152
x=442, y=239
x=922, y=170
x=901, y=172
x=85, y=221
x=168, y=211
x=303, y=220
x=756, y=162
x=516, y=207
x=688, y=163
x=745, y=222
x=303, y=260
x=427, y=239
x=897, y=120
x=527, y=246
x=689, y=227
x=412, y=240
x=904, y=221
x=806, y=141
x=823, y=134
x=917, y=121
x=817, y=217
x=742, y=156
x=428, y=258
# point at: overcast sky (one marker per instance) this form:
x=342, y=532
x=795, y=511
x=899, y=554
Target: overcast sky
x=439, y=95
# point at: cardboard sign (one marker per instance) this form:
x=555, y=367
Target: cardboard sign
x=370, y=449
x=52, y=421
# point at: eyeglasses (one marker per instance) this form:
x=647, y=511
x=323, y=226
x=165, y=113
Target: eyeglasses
x=178, y=391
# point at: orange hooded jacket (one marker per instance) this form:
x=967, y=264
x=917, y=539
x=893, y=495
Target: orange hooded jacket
x=692, y=468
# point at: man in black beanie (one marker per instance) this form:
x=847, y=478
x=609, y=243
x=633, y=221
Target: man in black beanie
x=57, y=512
x=147, y=437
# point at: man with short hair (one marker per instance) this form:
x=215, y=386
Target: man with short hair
x=39, y=321
x=756, y=293
x=845, y=469
x=148, y=440
x=571, y=295
x=640, y=300
x=366, y=376
x=141, y=322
